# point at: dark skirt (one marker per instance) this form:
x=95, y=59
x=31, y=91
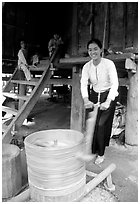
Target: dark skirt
x=103, y=127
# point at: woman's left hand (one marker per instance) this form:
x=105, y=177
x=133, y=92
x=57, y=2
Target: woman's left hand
x=105, y=105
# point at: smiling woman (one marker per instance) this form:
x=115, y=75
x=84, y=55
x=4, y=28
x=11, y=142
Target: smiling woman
x=102, y=75
x=94, y=50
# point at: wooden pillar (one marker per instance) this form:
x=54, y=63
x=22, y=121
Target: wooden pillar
x=51, y=90
x=131, y=126
x=77, y=108
x=74, y=42
x=22, y=89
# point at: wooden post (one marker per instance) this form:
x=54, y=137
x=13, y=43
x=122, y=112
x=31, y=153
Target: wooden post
x=22, y=89
x=51, y=90
x=131, y=126
x=77, y=108
x=11, y=171
x=105, y=25
x=110, y=186
x=74, y=30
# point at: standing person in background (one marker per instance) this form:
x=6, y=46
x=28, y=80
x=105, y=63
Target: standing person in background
x=22, y=60
x=102, y=75
x=54, y=43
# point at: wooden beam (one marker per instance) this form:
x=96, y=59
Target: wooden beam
x=38, y=69
x=99, y=178
x=123, y=82
x=15, y=96
x=82, y=60
x=6, y=78
x=4, y=127
x=21, y=90
x=77, y=108
x=10, y=85
x=32, y=82
x=9, y=110
x=68, y=63
x=74, y=30
x=60, y=81
x=131, y=124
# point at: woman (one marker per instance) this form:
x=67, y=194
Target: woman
x=22, y=60
x=102, y=75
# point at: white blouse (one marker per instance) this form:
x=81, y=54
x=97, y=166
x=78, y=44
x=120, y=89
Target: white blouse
x=102, y=78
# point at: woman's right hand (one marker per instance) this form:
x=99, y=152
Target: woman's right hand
x=88, y=104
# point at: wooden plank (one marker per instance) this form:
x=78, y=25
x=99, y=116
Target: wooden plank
x=105, y=27
x=90, y=173
x=82, y=60
x=99, y=178
x=38, y=69
x=116, y=26
x=123, y=82
x=74, y=43
x=50, y=81
x=4, y=127
x=21, y=90
x=10, y=85
x=15, y=96
x=77, y=109
x=9, y=110
x=6, y=78
x=60, y=81
x=33, y=82
x=74, y=60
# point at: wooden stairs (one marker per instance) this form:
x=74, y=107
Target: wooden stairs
x=25, y=102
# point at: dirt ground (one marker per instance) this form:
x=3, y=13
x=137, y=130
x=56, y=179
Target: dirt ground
x=56, y=115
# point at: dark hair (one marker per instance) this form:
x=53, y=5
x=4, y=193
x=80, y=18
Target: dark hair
x=96, y=41
x=22, y=41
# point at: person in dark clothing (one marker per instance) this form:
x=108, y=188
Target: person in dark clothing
x=54, y=43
